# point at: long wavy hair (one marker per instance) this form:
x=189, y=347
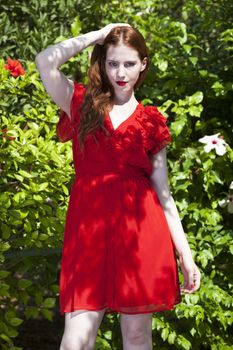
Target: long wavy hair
x=99, y=94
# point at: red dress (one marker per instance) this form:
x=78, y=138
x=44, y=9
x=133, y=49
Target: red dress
x=117, y=250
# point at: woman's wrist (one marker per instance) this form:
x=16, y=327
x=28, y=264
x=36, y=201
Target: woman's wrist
x=90, y=38
x=185, y=256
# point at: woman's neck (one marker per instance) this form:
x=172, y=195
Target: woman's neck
x=124, y=99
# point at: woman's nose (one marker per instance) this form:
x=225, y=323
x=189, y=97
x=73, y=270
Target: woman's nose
x=121, y=71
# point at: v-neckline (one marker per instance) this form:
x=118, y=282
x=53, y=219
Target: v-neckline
x=108, y=118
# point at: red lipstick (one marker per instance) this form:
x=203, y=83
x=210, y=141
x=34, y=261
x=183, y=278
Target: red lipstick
x=121, y=83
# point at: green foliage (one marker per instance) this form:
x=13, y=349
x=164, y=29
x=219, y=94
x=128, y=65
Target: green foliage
x=190, y=78
x=36, y=172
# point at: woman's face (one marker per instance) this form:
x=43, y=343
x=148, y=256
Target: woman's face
x=123, y=67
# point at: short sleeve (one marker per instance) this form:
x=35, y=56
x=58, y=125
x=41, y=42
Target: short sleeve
x=66, y=126
x=156, y=132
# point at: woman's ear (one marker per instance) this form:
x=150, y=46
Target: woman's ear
x=144, y=63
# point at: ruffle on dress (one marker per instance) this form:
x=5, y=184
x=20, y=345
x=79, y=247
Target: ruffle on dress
x=153, y=129
x=66, y=126
x=156, y=133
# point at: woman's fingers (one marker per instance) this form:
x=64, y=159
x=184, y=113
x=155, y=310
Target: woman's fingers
x=192, y=280
x=106, y=30
x=192, y=276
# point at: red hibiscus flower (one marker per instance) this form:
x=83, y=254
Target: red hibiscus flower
x=15, y=67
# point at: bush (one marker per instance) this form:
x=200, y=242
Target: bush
x=190, y=78
x=36, y=172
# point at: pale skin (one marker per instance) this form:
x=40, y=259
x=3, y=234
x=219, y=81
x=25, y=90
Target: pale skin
x=122, y=64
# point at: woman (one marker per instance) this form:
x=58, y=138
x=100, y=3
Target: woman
x=122, y=228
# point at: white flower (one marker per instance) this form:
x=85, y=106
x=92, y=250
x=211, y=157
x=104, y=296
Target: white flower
x=147, y=10
x=214, y=141
x=231, y=185
x=227, y=201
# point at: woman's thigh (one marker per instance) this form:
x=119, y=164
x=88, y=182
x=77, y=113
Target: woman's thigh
x=81, y=328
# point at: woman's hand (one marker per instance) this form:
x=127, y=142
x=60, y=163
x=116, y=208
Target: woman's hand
x=105, y=31
x=192, y=276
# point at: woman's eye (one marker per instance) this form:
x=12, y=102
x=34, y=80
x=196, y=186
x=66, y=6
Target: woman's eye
x=112, y=64
x=115, y=64
x=129, y=64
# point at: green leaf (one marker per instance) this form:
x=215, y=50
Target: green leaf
x=18, y=177
x=4, y=246
x=5, y=200
x=33, y=126
x=48, y=314
x=43, y=186
x=178, y=126
x=37, y=198
x=49, y=303
x=43, y=237
x=162, y=65
x=196, y=98
x=193, y=60
x=108, y=335
x=76, y=26
x=15, y=321
x=6, y=231
x=18, y=197
x=31, y=312
x=102, y=344
x=24, y=283
x=4, y=273
x=4, y=289
x=5, y=338
x=65, y=190
x=27, y=226
x=165, y=333
x=25, y=174
x=195, y=110
x=171, y=337
x=183, y=342
x=187, y=48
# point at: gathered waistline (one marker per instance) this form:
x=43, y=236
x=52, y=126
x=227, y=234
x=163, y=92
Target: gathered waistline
x=109, y=175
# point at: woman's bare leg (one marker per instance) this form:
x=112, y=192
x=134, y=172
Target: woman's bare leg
x=136, y=331
x=81, y=328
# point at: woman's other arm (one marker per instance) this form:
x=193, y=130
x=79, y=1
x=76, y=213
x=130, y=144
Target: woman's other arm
x=159, y=180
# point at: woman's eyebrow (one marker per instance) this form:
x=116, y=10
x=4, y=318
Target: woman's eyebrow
x=118, y=61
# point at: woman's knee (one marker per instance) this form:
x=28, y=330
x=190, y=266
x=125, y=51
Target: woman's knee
x=136, y=329
x=81, y=329
x=69, y=343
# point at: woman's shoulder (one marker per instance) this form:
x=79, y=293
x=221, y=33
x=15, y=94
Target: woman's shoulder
x=156, y=133
x=151, y=116
x=66, y=125
x=78, y=94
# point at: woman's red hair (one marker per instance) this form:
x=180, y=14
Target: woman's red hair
x=99, y=94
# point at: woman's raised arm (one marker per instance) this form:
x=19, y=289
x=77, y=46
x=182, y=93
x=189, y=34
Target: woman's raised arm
x=48, y=61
